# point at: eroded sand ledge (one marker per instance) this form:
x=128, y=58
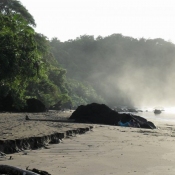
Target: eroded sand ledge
x=17, y=145
x=18, y=134
x=105, y=150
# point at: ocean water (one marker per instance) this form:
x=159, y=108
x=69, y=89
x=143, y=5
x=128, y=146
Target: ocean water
x=165, y=116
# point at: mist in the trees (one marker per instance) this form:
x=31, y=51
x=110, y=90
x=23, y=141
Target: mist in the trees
x=123, y=70
x=151, y=85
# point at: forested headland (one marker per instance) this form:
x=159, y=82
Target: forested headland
x=115, y=70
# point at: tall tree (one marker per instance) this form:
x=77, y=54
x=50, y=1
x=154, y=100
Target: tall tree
x=18, y=52
x=8, y=7
x=18, y=55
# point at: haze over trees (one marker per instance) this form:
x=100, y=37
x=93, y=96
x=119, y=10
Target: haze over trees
x=123, y=70
x=115, y=70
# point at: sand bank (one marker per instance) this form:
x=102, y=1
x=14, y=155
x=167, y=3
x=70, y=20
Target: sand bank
x=104, y=150
x=17, y=133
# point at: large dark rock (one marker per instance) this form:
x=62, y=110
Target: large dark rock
x=95, y=113
x=6, y=104
x=34, y=105
x=102, y=114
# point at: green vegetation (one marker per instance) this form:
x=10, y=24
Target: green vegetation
x=75, y=72
x=28, y=69
x=18, y=55
x=11, y=7
x=121, y=69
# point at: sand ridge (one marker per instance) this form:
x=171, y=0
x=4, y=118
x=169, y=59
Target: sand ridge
x=15, y=125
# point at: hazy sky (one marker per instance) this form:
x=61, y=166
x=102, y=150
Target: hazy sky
x=68, y=19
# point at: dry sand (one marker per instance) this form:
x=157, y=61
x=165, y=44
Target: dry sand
x=103, y=151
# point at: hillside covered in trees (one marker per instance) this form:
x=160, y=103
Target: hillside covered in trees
x=28, y=68
x=123, y=70
x=115, y=70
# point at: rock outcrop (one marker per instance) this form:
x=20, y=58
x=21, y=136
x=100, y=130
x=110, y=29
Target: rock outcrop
x=34, y=105
x=102, y=114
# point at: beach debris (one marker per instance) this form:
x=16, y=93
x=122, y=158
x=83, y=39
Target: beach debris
x=10, y=158
x=41, y=172
x=24, y=153
x=2, y=154
x=46, y=147
x=157, y=111
x=51, y=120
x=7, y=169
x=27, y=117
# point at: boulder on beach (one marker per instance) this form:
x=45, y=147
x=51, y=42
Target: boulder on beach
x=102, y=114
x=35, y=105
x=32, y=105
x=6, y=104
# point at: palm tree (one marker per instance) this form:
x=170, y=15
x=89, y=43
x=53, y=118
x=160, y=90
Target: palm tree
x=8, y=7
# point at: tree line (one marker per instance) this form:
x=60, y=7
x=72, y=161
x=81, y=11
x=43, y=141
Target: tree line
x=79, y=71
x=28, y=69
x=123, y=70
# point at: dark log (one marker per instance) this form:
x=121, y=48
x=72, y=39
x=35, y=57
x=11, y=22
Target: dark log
x=41, y=172
x=51, y=120
x=7, y=169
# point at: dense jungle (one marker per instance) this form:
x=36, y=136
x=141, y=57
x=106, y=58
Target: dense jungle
x=116, y=70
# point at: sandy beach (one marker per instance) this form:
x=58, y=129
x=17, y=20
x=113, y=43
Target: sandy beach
x=103, y=150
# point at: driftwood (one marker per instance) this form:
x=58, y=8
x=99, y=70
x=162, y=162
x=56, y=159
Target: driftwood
x=41, y=172
x=2, y=154
x=7, y=169
x=50, y=120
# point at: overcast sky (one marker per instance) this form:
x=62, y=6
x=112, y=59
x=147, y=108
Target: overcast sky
x=68, y=19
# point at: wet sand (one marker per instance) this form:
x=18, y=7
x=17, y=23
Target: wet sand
x=104, y=150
